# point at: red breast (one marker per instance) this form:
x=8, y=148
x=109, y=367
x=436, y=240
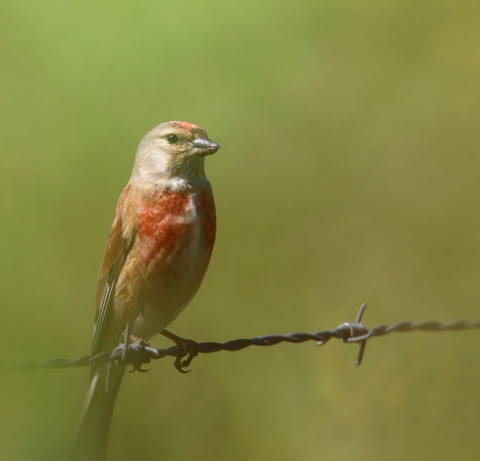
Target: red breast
x=169, y=220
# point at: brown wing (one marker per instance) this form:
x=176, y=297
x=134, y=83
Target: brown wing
x=116, y=251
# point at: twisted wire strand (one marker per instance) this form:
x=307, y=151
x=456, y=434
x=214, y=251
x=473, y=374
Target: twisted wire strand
x=355, y=332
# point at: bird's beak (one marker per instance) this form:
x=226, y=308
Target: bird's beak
x=204, y=146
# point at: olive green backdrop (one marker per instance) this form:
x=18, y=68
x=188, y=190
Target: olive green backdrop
x=349, y=171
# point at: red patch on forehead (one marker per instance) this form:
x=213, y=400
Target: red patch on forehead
x=185, y=125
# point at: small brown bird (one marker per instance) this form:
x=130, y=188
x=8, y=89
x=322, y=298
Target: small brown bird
x=155, y=259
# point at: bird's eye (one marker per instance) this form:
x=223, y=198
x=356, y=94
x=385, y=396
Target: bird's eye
x=172, y=138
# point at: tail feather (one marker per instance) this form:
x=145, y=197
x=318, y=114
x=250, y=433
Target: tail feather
x=92, y=433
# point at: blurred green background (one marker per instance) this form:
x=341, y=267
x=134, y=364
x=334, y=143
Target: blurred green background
x=348, y=172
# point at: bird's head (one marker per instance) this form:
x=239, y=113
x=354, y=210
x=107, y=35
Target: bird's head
x=173, y=152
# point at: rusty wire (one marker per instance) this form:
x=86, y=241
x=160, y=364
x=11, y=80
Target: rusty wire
x=354, y=332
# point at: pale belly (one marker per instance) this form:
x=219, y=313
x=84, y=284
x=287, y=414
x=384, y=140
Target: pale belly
x=170, y=288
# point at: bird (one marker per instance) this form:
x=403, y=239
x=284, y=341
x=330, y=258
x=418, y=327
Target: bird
x=155, y=259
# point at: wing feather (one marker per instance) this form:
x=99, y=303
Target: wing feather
x=116, y=252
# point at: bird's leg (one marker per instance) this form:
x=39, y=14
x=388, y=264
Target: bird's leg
x=190, y=348
x=140, y=341
x=138, y=344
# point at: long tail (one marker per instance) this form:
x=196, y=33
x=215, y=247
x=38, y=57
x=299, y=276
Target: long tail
x=92, y=434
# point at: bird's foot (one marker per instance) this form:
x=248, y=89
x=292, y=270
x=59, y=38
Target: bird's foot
x=136, y=346
x=190, y=349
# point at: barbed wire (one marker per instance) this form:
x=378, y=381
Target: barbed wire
x=350, y=332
